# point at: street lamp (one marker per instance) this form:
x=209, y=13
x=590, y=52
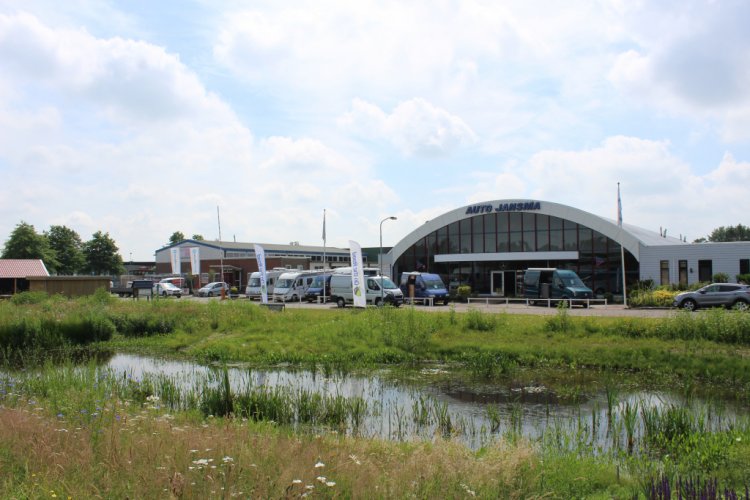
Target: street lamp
x=380, y=260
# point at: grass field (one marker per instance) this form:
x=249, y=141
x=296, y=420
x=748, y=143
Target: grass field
x=71, y=432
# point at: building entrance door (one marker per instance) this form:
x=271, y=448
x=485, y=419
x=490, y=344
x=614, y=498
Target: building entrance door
x=497, y=283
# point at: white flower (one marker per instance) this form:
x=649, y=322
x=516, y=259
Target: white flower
x=227, y=460
x=319, y=465
x=331, y=484
x=296, y=481
x=321, y=479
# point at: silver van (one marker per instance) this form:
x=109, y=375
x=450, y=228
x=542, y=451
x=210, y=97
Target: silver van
x=341, y=290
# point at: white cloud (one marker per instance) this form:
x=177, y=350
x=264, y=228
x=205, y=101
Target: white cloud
x=415, y=127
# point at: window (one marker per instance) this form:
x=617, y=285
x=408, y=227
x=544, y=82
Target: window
x=683, y=268
x=664, y=268
x=744, y=266
x=705, y=270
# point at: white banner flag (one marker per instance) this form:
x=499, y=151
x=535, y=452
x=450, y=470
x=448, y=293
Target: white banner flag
x=260, y=256
x=174, y=254
x=359, y=291
x=195, y=261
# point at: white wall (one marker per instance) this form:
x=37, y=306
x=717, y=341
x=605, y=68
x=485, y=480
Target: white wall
x=725, y=258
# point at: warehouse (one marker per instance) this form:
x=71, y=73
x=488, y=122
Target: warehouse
x=232, y=261
x=488, y=246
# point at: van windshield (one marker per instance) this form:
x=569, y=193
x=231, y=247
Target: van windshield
x=255, y=282
x=433, y=284
x=387, y=283
x=285, y=283
x=571, y=279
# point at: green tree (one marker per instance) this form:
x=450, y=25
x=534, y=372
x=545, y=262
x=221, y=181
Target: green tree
x=730, y=233
x=198, y=237
x=176, y=237
x=26, y=243
x=68, y=247
x=101, y=254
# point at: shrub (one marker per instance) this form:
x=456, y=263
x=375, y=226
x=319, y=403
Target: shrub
x=660, y=297
x=743, y=278
x=721, y=278
x=560, y=322
x=29, y=298
x=479, y=321
x=463, y=292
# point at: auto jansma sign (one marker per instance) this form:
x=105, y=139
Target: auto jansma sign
x=520, y=206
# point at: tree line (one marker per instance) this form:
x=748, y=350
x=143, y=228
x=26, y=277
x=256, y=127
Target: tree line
x=63, y=252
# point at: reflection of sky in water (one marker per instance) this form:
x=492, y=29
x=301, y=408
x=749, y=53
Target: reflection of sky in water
x=392, y=405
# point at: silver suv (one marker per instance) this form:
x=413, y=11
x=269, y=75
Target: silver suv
x=729, y=295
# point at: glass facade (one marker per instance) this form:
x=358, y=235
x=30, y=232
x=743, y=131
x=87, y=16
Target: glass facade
x=598, y=262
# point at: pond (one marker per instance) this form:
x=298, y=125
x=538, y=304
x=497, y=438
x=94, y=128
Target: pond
x=436, y=401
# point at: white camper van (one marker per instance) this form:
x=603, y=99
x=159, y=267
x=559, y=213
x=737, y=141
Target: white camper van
x=341, y=290
x=292, y=285
x=253, y=282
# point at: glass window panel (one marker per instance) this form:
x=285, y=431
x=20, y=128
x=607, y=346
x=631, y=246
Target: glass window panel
x=555, y=222
x=529, y=241
x=489, y=223
x=542, y=240
x=516, y=244
x=502, y=222
x=571, y=239
x=453, y=229
x=477, y=243
x=542, y=222
x=569, y=224
x=442, y=240
x=555, y=240
x=600, y=242
x=490, y=242
x=514, y=221
x=466, y=243
x=502, y=242
x=529, y=222
x=477, y=225
x=454, y=243
x=585, y=239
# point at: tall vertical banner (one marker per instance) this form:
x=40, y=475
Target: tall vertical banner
x=174, y=255
x=358, y=275
x=260, y=257
x=195, y=261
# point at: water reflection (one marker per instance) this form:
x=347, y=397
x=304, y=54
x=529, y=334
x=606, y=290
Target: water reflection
x=436, y=404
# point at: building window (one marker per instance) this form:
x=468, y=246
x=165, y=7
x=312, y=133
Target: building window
x=683, y=268
x=664, y=268
x=705, y=270
x=744, y=266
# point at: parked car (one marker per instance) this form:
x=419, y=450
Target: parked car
x=167, y=290
x=425, y=285
x=213, y=289
x=729, y=295
x=551, y=283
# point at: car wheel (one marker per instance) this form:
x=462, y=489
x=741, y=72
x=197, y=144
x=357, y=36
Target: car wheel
x=689, y=305
x=163, y=294
x=445, y=302
x=340, y=302
x=741, y=305
x=210, y=294
x=377, y=302
x=178, y=295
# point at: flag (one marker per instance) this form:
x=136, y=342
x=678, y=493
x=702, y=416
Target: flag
x=260, y=257
x=619, y=206
x=359, y=291
x=174, y=254
x=195, y=261
x=324, y=225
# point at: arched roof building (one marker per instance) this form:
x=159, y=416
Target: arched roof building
x=488, y=245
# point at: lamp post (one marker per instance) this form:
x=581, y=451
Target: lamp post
x=380, y=259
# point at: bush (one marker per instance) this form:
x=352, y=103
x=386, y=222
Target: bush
x=479, y=321
x=463, y=292
x=660, y=297
x=29, y=298
x=721, y=278
x=743, y=278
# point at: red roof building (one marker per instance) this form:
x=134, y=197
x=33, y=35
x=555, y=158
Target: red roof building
x=13, y=274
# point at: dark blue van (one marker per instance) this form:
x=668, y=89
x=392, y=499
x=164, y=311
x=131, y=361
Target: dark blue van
x=315, y=289
x=551, y=283
x=425, y=285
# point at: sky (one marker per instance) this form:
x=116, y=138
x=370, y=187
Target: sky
x=140, y=118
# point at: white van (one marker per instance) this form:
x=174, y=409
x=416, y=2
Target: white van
x=367, y=271
x=253, y=283
x=291, y=286
x=341, y=290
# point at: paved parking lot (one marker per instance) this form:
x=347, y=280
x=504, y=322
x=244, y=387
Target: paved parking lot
x=612, y=310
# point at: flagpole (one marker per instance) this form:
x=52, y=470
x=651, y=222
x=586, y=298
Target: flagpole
x=622, y=247
x=324, y=255
x=221, y=255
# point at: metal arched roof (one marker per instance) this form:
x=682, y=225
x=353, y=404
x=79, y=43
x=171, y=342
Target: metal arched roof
x=631, y=237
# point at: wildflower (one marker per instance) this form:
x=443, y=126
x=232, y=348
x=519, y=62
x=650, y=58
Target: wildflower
x=330, y=484
x=227, y=460
x=193, y=451
x=321, y=479
x=738, y=439
x=296, y=481
x=319, y=465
